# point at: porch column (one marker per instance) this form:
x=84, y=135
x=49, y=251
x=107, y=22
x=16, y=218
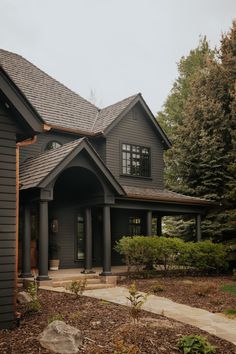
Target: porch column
x=106, y=241
x=198, y=227
x=43, y=241
x=159, y=226
x=149, y=223
x=88, y=242
x=26, y=262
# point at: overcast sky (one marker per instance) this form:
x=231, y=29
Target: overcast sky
x=114, y=47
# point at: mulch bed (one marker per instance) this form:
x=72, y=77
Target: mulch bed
x=107, y=328
x=201, y=292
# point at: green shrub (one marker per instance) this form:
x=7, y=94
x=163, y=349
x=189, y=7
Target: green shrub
x=34, y=305
x=167, y=253
x=56, y=317
x=136, y=302
x=195, y=345
x=157, y=288
x=78, y=286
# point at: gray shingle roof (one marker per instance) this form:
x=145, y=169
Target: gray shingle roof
x=107, y=115
x=163, y=195
x=33, y=171
x=55, y=103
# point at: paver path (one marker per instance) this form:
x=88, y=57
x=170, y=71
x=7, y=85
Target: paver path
x=212, y=323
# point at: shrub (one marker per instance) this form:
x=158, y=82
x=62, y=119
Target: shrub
x=34, y=305
x=136, y=302
x=204, y=289
x=156, y=288
x=167, y=253
x=194, y=344
x=78, y=286
x=56, y=317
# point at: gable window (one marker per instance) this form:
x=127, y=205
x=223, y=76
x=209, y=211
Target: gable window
x=53, y=145
x=134, y=226
x=136, y=160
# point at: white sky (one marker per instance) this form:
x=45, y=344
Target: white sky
x=113, y=47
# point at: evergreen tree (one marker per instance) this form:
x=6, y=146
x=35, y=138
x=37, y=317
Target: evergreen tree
x=202, y=161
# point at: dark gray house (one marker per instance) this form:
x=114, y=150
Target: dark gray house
x=91, y=176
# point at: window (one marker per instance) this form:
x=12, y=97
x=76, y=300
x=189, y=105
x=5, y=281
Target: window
x=135, y=160
x=134, y=226
x=80, y=237
x=53, y=145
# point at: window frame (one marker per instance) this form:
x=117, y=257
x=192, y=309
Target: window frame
x=121, y=160
x=134, y=225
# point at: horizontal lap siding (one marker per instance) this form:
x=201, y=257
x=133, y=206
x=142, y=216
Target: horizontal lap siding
x=135, y=128
x=7, y=218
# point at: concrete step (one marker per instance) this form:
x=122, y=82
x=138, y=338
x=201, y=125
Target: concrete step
x=67, y=282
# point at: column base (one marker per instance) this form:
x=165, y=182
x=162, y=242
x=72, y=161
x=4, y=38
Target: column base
x=106, y=273
x=43, y=277
x=26, y=275
x=88, y=271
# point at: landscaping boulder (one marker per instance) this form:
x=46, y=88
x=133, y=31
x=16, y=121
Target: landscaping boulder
x=61, y=338
x=24, y=298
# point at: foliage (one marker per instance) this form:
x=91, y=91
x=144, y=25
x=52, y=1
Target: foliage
x=136, y=302
x=168, y=253
x=157, y=287
x=194, y=344
x=34, y=305
x=78, y=286
x=230, y=313
x=204, y=289
x=200, y=114
x=229, y=288
x=123, y=348
x=56, y=317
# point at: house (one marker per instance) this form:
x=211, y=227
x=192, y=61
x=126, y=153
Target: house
x=88, y=176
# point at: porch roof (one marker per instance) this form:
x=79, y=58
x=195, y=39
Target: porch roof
x=155, y=194
x=39, y=171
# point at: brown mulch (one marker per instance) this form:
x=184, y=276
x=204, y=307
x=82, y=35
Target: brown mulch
x=201, y=292
x=107, y=328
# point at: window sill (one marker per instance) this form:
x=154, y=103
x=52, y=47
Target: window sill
x=139, y=177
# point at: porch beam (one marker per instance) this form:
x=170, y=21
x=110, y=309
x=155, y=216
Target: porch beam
x=88, y=242
x=106, y=241
x=26, y=257
x=43, y=241
x=198, y=227
x=149, y=223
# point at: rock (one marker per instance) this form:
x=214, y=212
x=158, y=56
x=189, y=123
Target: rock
x=24, y=298
x=61, y=338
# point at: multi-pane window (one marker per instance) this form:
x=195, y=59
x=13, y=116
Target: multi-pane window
x=135, y=160
x=134, y=226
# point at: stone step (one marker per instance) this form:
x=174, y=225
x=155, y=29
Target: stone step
x=69, y=281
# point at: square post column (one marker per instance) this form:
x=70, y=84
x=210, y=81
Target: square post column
x=159, y=226
x=106, y=241
x=198, y=227
x=26, y=261
x=149, y=223
x=43, y=241
x=88, y=242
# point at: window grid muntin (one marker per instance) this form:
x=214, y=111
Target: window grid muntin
x=136, y=160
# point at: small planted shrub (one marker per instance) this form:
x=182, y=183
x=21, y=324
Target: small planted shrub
x=229, y=288
x=204, y=289
x=78, y=286
x=157, y=288
x=136, y=302
x=120, y=347
x=34, y=305
x=56, y=317
x=194, y=344
x=231, y=313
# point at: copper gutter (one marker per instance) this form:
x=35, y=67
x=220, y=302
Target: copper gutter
x=18, y=145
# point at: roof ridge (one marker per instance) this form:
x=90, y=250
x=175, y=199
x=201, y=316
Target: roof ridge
x=124, y=99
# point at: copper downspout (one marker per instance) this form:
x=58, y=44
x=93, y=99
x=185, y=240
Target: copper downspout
x=18, y=145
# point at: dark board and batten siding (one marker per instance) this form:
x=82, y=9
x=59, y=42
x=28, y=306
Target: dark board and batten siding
x=7, y=217
x=135, y=128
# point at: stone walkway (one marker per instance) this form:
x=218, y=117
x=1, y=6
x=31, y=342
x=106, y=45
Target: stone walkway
x=212, y=323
